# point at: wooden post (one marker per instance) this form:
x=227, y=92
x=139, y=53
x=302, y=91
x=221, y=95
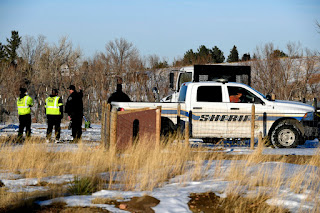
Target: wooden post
x=253, y=115
x=103, y=123
x=107, y=126
x=158, y=124
x=186, y=133
x=178, y=115
x=113, y=128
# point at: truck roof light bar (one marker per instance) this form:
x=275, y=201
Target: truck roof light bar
x=222, y=80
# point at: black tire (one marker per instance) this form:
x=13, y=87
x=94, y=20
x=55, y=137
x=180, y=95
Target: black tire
x=167, y=127
x=285, y=136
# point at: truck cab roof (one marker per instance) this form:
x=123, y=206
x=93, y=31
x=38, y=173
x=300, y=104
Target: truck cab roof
x=218, y=82
x=228, y=88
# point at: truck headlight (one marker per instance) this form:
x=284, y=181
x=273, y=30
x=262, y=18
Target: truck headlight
x=309, y=116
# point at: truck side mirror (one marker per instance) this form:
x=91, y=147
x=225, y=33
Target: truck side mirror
x=271, y=97
x=171, y=77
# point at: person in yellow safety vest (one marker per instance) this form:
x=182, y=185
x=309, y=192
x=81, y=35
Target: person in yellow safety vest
x=24, y=103
x=54, y=112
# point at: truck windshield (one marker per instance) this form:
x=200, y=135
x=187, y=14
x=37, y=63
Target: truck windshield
x=184, y=77
x=258, y=92
x=182, y=94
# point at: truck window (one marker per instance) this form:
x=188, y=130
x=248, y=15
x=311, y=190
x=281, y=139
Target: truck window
x=209, y=94
x=182, y=94
x=241, y=95
x=184, y=77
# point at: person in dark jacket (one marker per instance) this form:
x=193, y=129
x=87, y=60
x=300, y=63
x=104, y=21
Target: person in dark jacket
x=74, y=109
x=119, y=96
x=54, y=112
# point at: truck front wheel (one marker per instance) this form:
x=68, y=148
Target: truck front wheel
x=285, y=136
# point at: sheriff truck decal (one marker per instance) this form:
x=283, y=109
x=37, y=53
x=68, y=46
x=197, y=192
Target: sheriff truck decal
x=242, y=118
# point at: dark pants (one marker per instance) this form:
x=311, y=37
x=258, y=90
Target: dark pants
x=76, y=127
x=24, y=122
x=54, y=120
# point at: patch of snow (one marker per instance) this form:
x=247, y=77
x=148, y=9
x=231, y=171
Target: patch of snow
x=174, y=195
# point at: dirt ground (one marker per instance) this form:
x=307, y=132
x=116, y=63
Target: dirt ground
x=199, y=202
x=209, y=202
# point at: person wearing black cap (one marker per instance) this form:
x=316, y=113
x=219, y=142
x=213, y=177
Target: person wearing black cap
x=54, y=112
x=74, y=109
x=24, y=103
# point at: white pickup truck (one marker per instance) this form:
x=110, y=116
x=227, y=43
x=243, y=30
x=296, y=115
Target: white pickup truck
x=223, y=110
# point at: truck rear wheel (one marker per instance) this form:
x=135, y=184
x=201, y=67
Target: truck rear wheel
x=285, y=136
x=167, y=127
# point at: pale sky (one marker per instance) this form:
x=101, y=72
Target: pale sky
x=167, y=28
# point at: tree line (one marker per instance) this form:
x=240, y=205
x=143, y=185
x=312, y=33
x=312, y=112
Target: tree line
x=203, y=55
x=39, y=66
x=34, y=63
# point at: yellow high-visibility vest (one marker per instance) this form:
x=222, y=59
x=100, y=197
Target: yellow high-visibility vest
x=24, y=104
x=53, y=106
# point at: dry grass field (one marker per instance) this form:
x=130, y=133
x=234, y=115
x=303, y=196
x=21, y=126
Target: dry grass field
x=145, y=167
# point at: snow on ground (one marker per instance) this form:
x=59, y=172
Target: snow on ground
x=174, y=194
x=90, y=134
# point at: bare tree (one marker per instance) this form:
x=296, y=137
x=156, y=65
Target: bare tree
x=289, y=71
x=41, y=66
x=31, y=49
x=265, y=68
x=153, y=60
x=289, y=77
x=310, y=69
x=120, y=51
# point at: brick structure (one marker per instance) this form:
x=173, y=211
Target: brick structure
x=136, y=123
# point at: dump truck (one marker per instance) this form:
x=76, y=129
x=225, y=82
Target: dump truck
x=199, y=73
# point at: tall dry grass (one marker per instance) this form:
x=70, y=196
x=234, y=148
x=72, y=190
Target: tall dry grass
x=268, y=179
x=145, y=166
x=142, y=166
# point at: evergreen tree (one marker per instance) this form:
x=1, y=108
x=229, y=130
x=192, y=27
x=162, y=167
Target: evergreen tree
x=203, y=51
x=255, y=56
x=2, y=53
x=189, y=57
x=13, y=45
x=279, y=54
x=160, y=64
x=217, y=55
x=203, y=55
x=246, y=57
x=234, y=55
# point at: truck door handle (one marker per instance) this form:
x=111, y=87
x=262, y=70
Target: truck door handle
x=234, y=108
x=197, y=107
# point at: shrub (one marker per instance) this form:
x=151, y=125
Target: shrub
x=83, y=186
